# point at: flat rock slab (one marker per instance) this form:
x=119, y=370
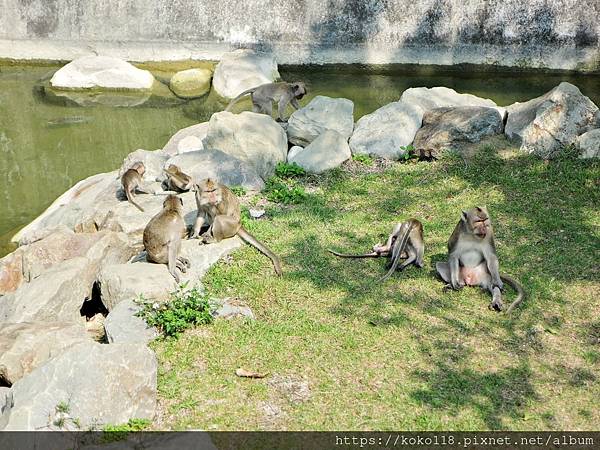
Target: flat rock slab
x=231, y=308
x=27, y=345
x=589, y=144
x=100, y=384
x=203, y=256
x=439, y=97
x=322, y=113
x=122, y=326
x=326, y=152
x=243, y=69
x=387, y=131
x=219, y=166
x=101, y=72
x=256, y=139
x=450, y=127
x=187, y=139
x=546, y=125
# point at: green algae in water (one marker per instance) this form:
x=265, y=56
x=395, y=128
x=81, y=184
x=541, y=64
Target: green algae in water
x=49, y=144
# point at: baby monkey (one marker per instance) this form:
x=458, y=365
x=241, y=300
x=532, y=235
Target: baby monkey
x=264, y=95
x=163, y=234
x=472, y=259
x=405, y=242
x=132, y=182
x=177, y=180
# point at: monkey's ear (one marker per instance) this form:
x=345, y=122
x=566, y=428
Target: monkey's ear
x=464, y=215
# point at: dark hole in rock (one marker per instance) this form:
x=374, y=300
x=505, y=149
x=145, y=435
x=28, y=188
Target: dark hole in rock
x=4, y=382
x=92, y=306
x=94, y=312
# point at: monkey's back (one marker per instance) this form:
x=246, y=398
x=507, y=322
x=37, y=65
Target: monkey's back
x=165, y=227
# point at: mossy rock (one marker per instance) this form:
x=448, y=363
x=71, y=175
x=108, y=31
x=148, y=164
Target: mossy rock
x=191, y=83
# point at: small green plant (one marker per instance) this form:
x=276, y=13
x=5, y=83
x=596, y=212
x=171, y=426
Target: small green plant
x=285, y=170
x=363, y=159
x=63, y=407
x=240, y=191
x=409, y=152
x=119, y=432
x=184, y=309
x=288, y=191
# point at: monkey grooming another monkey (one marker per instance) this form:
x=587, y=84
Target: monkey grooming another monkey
x=132, y=182
x=472, y=259
x=405, y=241
x=177, y=180
x=264, y=95
x=219, y=209
x=163, y=234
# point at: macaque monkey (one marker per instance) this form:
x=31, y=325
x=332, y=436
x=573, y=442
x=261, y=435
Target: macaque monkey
x=264, y=95
x=472, y=259
x=163, y=234
x=177, y=180
x=219, y=209
x=132, y=182
x=405, y=242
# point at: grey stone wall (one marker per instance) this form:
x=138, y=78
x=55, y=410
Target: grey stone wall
x=561, y=34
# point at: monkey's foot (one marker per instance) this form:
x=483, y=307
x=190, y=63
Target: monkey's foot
x=208, y=239
x=496, y=305
x=185, y=261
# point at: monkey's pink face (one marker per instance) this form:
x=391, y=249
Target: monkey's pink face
x=211, y=196
x=481, y=226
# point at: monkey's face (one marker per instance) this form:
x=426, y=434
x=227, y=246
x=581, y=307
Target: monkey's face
x=299, y=89
x=478, y=222
x=210, y=193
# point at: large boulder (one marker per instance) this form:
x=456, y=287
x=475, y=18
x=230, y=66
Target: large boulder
x=123, y=326
x=326, y=152
x=387, y=131
x=254, y=138
x=450, y=127
x=322, y=113
x=187, y=140
x=120, y=282
x=203, y=256
x=68, y=208
x=215, y=164
x=589, y=144
x=191, y=83
x=101, y=72
x=243, y=69
x=95, y=384
x=11, y=272
x=547, y=124
x=440, y=97
x=27, y=345
x=60, y=290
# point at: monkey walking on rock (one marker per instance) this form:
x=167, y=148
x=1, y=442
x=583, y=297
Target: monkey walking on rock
x=132, y=182
x=405, y=241
x=264, y=95
x=472, y=259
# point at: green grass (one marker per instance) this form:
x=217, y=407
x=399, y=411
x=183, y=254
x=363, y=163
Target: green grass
x=346, y=353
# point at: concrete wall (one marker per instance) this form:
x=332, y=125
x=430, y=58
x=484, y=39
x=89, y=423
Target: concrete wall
x=562, y=34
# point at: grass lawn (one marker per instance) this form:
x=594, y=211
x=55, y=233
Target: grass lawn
x=344, y=352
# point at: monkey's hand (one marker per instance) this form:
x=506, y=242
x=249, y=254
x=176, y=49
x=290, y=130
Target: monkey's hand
x=208, y=239
x=457, y=285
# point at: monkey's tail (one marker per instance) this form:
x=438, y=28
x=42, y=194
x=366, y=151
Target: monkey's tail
x=364, y=255
x=517, y=287
x=262, y=248
x=235, y=100
x=397, y=250
x=132, y=201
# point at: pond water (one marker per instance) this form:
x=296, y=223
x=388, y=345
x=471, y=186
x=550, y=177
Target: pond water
x=48, y=144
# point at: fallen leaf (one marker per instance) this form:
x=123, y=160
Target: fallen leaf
x=249, y=374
